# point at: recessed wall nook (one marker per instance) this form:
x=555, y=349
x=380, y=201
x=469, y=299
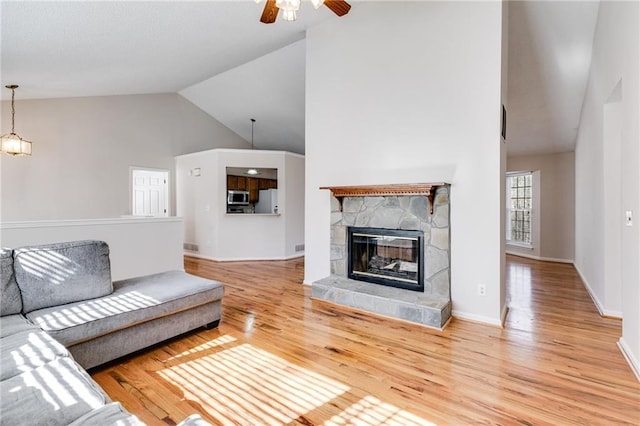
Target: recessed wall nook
x=390, y=251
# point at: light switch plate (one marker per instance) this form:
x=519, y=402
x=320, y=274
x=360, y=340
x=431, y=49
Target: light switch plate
x=628, y=218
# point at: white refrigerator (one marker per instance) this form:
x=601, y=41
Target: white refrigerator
x=267, y=201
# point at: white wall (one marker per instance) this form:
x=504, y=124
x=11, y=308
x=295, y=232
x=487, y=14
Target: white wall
x=504, y=90
x=136, y=246
x=221, y=236
x=555, y=209
x=83, y=148
x=411, y=92
x=612, y=137
x=615, y=57
x=294, y=208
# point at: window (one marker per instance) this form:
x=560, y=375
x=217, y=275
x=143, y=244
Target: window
x=519, y=206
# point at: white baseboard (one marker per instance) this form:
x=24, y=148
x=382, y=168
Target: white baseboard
x=243, y=259
x=628, y=355
x=601, y=310
x=477, y=318
x=544, y=259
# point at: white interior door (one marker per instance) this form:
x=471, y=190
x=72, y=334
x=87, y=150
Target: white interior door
x=150, y=192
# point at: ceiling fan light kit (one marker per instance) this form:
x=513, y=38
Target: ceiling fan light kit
x=289, y=15
x=11, y=143
x=290, y=9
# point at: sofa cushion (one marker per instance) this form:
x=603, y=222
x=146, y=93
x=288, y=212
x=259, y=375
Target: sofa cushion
x=57, y=393
x=133, y=301
x=10, y=299
x=28, y=350
x=11, y=324
x=55, y=274
x=110, y=414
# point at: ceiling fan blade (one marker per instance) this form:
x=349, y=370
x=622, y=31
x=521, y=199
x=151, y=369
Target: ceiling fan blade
x=270, y=12
x=339, y=7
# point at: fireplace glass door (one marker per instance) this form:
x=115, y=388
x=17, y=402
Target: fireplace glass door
x=386, y=256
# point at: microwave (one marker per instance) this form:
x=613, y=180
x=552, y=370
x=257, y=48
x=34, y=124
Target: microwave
x=238, y=198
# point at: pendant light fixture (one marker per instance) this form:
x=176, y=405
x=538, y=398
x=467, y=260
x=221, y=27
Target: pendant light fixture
x=252, y=172
x=12, y=144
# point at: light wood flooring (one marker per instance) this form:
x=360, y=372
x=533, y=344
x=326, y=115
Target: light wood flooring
x=279, y=357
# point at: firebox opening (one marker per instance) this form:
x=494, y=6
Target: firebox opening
x=389, y=257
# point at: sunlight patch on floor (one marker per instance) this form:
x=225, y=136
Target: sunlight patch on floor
x=247, y=385
x=520, y=285
x=370, y=411
x=519, y=299
x=220, y=341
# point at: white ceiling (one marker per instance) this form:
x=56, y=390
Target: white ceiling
x=269, y=89
x=213, y=53
x=549, y=57
x=85, y=48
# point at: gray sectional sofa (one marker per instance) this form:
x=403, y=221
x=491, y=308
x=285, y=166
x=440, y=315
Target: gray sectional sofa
x=60, y=314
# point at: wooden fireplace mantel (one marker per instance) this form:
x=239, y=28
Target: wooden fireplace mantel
x=408, y=189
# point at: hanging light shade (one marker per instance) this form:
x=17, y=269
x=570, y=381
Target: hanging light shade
x=12, y=144
x=289, y=9
x=289, y=15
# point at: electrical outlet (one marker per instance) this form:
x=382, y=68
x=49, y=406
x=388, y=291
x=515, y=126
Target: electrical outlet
x=482, y=290
x=628, y=218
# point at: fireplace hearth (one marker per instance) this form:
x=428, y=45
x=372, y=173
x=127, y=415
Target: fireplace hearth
x=391, y=257
x=397, y=236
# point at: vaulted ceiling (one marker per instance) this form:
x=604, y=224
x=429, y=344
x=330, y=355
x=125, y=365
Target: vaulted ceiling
x=220, y=57
x=549, y=58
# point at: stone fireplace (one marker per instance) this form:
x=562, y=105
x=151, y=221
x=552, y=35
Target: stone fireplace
x=390, y=251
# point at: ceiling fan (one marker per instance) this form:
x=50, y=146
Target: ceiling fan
x=290, y=7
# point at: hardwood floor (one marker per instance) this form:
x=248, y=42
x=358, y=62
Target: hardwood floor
x=279, y=357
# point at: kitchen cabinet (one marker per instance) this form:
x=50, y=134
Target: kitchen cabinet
x=238, y=183
x=232, y=183
x=242, y=183
x=253, y=185
x=268, y=184
x=263, y=184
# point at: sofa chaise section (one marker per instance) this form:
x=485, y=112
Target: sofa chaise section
x=139, y=313
x=108, y=320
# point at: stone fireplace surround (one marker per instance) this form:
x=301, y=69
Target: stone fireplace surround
x=403, y=207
